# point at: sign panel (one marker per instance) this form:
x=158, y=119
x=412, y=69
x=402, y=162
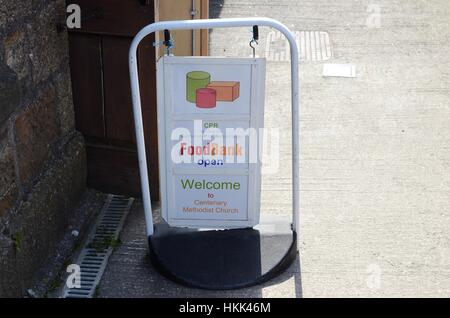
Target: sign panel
x=210, y=111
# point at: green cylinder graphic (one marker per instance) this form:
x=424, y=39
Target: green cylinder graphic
x=194, y=81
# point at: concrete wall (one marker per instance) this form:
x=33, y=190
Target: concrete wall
x=42, y=158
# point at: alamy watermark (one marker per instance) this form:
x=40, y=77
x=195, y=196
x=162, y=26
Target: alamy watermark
x=373, y=280
x=210, y=147
x=73, y=20
x=373, y=20
x=74, y=279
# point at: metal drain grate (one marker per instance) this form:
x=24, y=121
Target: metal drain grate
x=100, y=244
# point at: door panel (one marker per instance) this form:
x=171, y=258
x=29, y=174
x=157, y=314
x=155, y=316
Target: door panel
x=102, y=97
x=114, y=17
x=118, y=174
x=118, y=110
x=86, y=72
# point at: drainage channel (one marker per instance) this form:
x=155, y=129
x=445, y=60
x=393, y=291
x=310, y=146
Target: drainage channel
x=93, y=258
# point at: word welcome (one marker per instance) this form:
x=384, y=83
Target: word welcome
x=210, y=185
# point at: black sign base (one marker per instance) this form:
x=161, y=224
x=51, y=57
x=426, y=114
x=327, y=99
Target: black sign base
x=222, y=259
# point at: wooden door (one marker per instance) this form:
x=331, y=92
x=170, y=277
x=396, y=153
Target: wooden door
x=102, y=97
x=187, y=42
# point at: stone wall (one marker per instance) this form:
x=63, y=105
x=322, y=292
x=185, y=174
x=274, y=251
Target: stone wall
x=42, y=158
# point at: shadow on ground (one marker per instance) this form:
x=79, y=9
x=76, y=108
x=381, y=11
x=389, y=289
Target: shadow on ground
x=130, y=273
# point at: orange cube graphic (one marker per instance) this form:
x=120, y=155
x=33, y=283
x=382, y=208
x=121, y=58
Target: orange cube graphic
x=226, y=91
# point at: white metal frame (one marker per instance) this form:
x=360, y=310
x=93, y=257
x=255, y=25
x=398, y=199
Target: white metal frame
x=206, y=24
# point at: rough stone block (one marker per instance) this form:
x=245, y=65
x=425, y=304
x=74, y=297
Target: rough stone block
x=36, y=130
x=8, y=187
x=9, y=278
x=66, y=113
x=42, y=218
x=17, y=53
x=7, y=169
x=8, y=199
x=11, y=10
x=10, y=91
x=49, y=48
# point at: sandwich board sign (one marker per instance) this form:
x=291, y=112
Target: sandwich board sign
x=210, y=111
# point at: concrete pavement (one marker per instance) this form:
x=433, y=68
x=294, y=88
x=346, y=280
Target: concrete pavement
x=375, y=156
x=130, y=274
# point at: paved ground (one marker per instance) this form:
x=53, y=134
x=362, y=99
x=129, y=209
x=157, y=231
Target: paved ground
x=130, y=273
x=375, y=154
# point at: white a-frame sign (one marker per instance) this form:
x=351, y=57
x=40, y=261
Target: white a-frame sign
x=210, y=115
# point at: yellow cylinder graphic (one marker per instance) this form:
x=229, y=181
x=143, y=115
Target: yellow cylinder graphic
x=194, y=81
